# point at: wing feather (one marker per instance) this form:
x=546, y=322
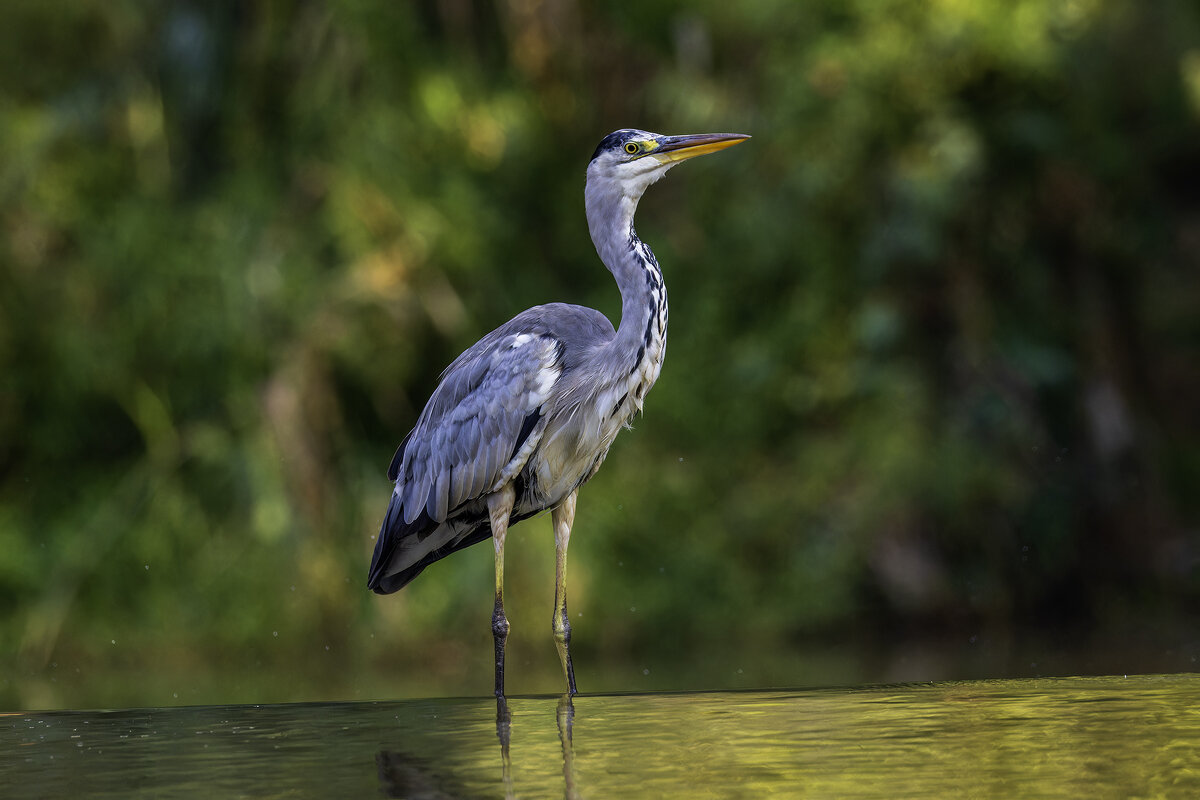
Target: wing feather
x=418, y=491
x=479, y=421
x=397, y=460
x=440, y=497
x=458, y=487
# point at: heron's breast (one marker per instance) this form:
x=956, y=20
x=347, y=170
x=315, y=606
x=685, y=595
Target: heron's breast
x=577, y=441
x=568, y=454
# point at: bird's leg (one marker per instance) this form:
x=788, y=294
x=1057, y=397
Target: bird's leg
x=562, y=517
x=500, y=511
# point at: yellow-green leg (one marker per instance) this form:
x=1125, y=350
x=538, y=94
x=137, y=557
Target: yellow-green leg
x=500, y=510
x=563, y=516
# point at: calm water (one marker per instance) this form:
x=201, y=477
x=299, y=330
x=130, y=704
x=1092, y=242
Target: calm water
x=1069, y=737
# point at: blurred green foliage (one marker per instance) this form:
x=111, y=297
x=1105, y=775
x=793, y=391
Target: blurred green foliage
x=933, y=344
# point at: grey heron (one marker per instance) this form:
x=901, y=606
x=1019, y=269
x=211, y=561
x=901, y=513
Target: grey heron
x=526, y=416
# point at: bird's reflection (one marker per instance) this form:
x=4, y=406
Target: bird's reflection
x=565, y=719
x=403, y=775
x=504, y=734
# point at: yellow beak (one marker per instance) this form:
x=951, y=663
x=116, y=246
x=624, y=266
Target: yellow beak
x=680, y=148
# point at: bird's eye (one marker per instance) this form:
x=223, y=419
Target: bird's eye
x=631, y=148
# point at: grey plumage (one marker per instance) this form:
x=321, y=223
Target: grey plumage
x=472, y=435
x=527, y=414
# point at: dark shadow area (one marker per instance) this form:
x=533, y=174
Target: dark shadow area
x=401, y=775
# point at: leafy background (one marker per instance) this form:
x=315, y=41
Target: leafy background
x=930, y=406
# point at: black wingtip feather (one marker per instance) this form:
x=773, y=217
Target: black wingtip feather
x=393, y=531
x=390, y=534
x=396, y=582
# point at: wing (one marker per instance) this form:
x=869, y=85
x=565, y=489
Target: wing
x=480, y=426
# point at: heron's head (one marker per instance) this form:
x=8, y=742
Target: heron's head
x=628, y=161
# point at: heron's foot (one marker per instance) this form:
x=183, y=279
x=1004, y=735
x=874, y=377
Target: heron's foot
x=499, y=636
x=562, y=641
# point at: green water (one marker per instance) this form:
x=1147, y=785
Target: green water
x=1135, y=736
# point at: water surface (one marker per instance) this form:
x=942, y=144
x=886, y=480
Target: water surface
x=1063, y=737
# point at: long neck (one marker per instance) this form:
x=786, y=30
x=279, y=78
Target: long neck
x=642, y=332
